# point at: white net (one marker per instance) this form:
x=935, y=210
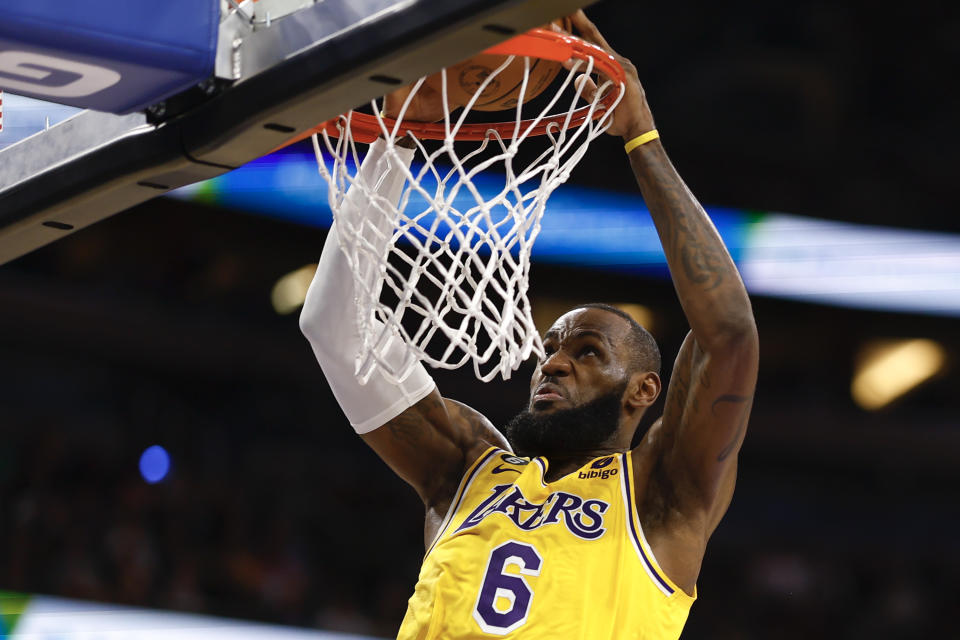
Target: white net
x=446, y=268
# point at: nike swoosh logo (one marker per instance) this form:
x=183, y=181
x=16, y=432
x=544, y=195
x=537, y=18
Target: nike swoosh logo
x=501, y=469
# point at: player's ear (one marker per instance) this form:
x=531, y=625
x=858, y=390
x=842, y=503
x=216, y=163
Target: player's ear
x=643, y=389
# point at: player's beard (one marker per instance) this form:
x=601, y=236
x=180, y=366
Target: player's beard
x=578, y=429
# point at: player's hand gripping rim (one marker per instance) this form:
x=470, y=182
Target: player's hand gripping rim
x=632, y=117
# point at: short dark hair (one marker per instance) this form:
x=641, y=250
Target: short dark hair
x=645, y=354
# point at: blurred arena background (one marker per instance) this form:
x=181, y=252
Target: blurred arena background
x=163, y=326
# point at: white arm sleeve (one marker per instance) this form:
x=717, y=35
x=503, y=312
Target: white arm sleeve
x=329, y=319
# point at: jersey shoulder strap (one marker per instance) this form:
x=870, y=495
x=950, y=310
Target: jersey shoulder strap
x=472, y=471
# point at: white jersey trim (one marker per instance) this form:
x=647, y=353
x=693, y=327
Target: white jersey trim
x=635, y=533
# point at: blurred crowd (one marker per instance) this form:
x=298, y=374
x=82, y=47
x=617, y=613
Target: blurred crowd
x=258, y=518
x=274, y=511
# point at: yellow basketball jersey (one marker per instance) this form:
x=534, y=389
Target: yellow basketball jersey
x=519, y=558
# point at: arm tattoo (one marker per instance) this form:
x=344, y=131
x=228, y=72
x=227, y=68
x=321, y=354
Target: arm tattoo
x=407, y=428
x=687, y=233
x=701, y=265
x=478, y=428
x=678, y=392
x=704, y=378
x=742, y=421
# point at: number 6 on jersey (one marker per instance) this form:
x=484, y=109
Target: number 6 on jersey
x=497, y=584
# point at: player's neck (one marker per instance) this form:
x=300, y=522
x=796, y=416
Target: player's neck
x=559, y=465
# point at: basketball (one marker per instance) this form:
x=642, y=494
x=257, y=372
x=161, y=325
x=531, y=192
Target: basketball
x=503, y=92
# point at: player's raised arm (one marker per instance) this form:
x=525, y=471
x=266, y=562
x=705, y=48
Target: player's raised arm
x=426, y=439
x=711, y=390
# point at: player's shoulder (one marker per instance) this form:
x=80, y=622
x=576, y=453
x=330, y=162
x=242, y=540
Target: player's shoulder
x=477, y=432
x=476, y=436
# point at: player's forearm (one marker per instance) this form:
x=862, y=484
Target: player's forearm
x=710, y=289
x=329, y=319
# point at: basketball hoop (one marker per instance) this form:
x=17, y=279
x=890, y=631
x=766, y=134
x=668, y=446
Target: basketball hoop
x=467, y=218
x=537, y=43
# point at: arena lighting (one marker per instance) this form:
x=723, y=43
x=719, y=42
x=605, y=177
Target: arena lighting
x=154, y=464
x=290, y=291
x=853, y=265
x=779, y=255
x=40, y=617
x=887, y=370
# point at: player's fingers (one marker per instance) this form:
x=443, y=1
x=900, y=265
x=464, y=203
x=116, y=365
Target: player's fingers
x=588, y=31
x=586, y=86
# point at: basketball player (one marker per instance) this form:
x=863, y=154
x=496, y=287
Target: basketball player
x=561, y=530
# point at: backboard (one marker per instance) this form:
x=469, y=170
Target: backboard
x=282, y=66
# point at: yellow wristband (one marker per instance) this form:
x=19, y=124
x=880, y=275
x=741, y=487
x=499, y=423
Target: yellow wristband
x=642, y=139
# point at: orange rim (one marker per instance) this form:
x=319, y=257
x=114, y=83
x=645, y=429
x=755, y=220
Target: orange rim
x=536, y=43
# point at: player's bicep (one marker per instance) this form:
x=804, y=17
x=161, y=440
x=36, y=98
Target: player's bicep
x=707, y=409
x=431, y=443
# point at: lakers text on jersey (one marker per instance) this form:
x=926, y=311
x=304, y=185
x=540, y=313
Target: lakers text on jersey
x=518, y=557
